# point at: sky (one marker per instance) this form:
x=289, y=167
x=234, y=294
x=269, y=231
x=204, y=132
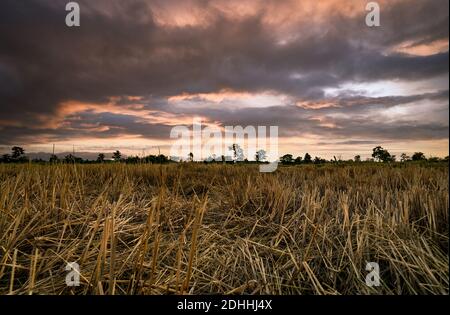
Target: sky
x=135, y=69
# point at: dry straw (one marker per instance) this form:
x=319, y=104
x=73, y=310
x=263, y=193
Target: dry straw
x=199, y=229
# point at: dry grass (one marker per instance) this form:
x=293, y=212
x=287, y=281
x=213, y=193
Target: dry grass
x=198, y=229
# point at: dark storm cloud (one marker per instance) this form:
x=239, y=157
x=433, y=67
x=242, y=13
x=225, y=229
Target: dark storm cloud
x=121, y=49
x=420, y=22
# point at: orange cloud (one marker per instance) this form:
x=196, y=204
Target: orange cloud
x=71, y=108
x=316, y=104
x=435, y=47
x=215, y=97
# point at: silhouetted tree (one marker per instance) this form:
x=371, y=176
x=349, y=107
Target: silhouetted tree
x=191, y=157
x=72, y=159
x=156, y=159
x=418, y=156
x=101, y=158
x=132, y=160
x=162, y=158
x=298, y=160
x=286, y=159
x=357, y=158
x=307, y=158
x=17, y=155
x=6, y=158
x=117, y=156
x=53, y=159
x=17, y=152
x=382, y=155
x=404, y=157
x=433, y=159
x=318, y=160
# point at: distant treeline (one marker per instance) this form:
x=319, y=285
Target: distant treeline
x=18, y=156
x=379, y=155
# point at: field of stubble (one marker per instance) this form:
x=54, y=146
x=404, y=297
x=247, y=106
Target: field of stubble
x=227, y=229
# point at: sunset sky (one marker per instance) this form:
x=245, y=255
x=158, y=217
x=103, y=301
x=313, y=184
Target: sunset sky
x=135, y=69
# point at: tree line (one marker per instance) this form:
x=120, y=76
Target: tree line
x=18, y=156
x=379, y=154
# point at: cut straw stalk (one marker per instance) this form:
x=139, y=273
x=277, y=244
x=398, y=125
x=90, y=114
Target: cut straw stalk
x=200, y=211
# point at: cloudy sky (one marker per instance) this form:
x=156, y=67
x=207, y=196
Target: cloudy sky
x=134, y=69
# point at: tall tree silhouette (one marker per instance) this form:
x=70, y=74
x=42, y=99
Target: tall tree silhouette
x=286, y=159
x=117, y=156
x=101, y=158
x=382, y=155
x=17, y=152
x=307, y=158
